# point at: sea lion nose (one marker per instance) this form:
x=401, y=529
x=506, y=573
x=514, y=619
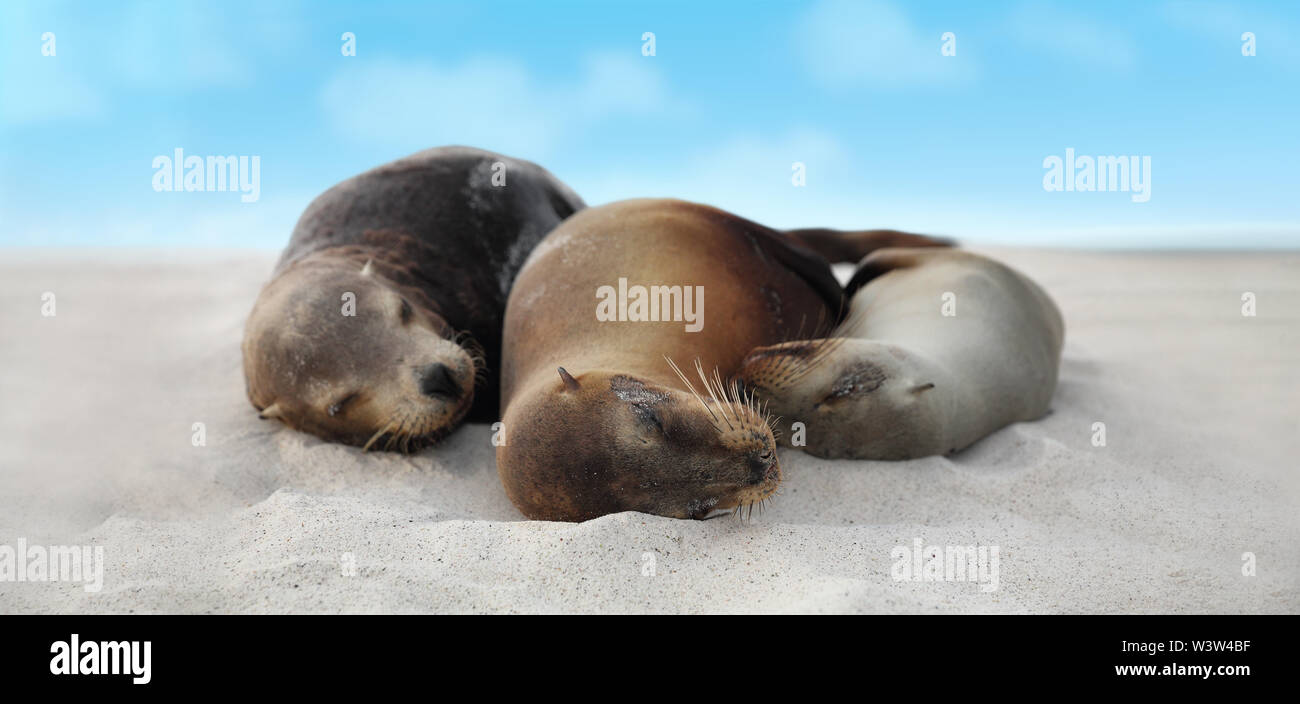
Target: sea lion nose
x=436, y=380
x=764, y=470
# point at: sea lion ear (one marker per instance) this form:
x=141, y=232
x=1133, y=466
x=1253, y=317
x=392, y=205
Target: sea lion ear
x=271, y=411
x=922, y=387
x=367, y=270
x=570, y=384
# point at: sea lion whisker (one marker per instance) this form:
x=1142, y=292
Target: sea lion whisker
x=699, y=368
x=740, y=398
x=402, y=430
x=730, y=393
x=404, y=438
x=722, y=393
x=800, y=371
x=825, y=347
x=694, y=393
x=376, y=436
x=395, y=437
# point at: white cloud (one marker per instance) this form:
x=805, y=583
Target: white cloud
x=748, y=174
x=1073, y=37
x=48, y=90
x=180, y=46
x=1226, y=23
x=177, y=48
x=494, y=102
x=35, y=87
x=845, y=43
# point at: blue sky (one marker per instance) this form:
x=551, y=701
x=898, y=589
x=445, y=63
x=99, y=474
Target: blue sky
x=892, y=133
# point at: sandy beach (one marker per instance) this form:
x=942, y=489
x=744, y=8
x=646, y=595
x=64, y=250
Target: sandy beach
x=1201, y=407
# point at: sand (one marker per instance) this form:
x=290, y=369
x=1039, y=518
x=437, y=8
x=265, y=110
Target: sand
x=1201, y=406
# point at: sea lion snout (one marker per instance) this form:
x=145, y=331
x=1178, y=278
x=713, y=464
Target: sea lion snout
x=344, y=352
x=764, y=468
x=436, y=381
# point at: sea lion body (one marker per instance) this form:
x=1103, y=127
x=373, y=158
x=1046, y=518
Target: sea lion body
x=618, y=429
x=425, y=249
x=940, y=347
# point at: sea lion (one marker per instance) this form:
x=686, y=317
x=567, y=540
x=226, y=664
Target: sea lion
x=940, y=347
x=604, y=416
x=424, y=251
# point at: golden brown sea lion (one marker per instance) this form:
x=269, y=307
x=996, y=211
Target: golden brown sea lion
x=596, y=419
x=387, y=304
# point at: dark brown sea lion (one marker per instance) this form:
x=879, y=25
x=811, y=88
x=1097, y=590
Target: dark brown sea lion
x=386, y=307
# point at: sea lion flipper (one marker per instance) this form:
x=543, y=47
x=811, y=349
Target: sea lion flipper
x=852, y=245
x=810, y=266
x=880, y=262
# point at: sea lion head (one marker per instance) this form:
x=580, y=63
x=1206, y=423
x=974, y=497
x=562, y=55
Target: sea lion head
x=336, y=348
x=847, y=392
x=602, y=442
